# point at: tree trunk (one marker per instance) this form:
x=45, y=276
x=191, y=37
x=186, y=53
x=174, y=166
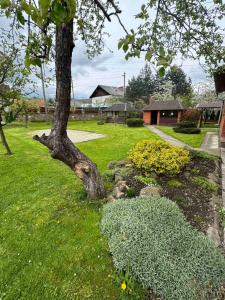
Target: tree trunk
x=59, y=144
x=3, y=139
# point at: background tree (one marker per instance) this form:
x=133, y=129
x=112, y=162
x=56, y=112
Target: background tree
x=142, y=86
x=13, y=79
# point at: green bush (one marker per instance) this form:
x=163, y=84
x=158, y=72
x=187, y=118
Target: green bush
x=151, y=238
x=187, y=124
x=159, y=157
x=135, y=122
x=187, y=130
x=101, y=122
x=174, y=183
x=205, y=183
x=146, y=180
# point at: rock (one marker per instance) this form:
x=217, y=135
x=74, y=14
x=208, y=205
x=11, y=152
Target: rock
x=187, y=174
x=120, y=189
x=118, y=178
x=151, y=191
x=111, y=165
x=154, y=175
x=110, y=198
x=213, y=178
x=116, y=164
x=213, y=234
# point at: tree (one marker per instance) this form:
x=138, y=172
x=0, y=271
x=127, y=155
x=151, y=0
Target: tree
x=142, y=86
x=181, y=84
x=42, y=20
x=13, y=79
x=185, y=27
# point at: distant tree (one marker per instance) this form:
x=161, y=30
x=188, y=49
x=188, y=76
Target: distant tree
x=181, y=84
x=142, y=86
x=13, y=79
x=27, y=108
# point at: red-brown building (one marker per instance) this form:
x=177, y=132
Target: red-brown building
x=163, y=112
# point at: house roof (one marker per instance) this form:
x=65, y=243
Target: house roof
x=216, y=104
x=164, y=105
x=120, y=107
x=111, y=90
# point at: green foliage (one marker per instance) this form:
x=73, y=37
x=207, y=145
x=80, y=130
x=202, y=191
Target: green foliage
x=152, y=239
x=135, y=122
x=101, y=122
x=222, y=216
x=146, y=180
x=159, y=157
x=109, y=175
x=131, y=193
x=205, y=183
x=187, y=130
x=174, y=183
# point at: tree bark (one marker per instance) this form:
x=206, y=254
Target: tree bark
x=59, y=144
x=3, y=139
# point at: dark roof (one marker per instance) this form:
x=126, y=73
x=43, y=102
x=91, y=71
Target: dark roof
x=164, y=105
x=216, y=104
x=111, y=90
x=120, y=107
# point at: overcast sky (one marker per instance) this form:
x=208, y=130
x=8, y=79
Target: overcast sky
x=108, y=68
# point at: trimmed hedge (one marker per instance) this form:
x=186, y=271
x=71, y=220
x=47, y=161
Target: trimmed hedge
x=135, y=122
x=187, y=124
x=159, y=157
x=151, y=238
x=187, y=130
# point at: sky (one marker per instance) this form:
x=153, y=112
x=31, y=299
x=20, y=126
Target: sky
x=109, y=67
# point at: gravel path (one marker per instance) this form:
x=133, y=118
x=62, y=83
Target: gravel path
x=76, y=136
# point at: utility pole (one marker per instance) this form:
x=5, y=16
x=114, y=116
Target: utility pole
x=124, y=84
x=44, y=94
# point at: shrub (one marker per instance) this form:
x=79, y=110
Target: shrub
x=187, y=130
x=159, y=157
x=151, y=238
x=187, y=124
x=131, y=193
x=146, y=180
x=174, y=183
x=191, y=115
x=109, y=175
x=205, y=183
x=135, y=122
x=101, y=122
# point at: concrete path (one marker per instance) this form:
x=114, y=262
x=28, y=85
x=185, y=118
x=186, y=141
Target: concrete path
x=168, y=138
x=75, y=136
x=211, y=143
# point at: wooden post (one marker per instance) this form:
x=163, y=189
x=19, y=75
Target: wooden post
x=179, y=117
x=158, y=117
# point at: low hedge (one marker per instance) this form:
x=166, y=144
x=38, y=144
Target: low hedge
x=135, y=122
x=187, y=130
x=151, y=239
x=159, y=157
x=187, y=124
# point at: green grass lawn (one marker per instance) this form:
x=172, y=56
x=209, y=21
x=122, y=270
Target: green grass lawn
x=193, y=140
x=51, y=245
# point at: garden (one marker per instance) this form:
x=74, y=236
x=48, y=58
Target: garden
x=57, y=243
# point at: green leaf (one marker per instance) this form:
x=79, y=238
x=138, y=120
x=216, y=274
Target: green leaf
x=148, y=55
x=162, y=71
x=120, y=44
x=5, y=4
x=125, y=47
x=44, y=6
x=32, y=61
x=59, y=13
x=162, y=51
x=20, y=17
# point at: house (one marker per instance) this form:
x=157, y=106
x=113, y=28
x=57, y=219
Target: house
x=82, y=103
x=104, y=96
x=118, y=113
x=210, y=111
x=163, y=112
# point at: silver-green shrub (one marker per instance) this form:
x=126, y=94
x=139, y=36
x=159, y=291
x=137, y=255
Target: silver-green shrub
x=151, y=238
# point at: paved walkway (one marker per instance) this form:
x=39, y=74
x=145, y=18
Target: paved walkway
x=211, y=143
x=75, y=136
x=168, y=138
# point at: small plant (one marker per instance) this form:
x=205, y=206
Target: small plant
x=135, y=122
x=195, y=171
x=146, y=180
x=222, y=216
x=109, y=175
x=205, y=183
x=174, y=183
x=131, y=193
x=101, y=122
x=159, y=157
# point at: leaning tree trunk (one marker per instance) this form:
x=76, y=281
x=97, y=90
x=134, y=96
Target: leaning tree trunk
x=3, y=139
x=59, y=144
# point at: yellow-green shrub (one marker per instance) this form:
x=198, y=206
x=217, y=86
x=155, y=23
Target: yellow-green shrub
x=159, y=156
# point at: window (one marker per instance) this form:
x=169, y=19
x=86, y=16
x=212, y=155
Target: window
x=168, y=114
